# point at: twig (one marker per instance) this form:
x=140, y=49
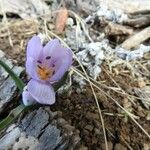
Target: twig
x=136, y=39
x=138, y=22
x=116, y=29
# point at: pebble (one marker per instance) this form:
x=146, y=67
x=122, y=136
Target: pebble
x=97, y=131
x=119, y=147
x=97, y=124
x=148, y=116
x=110, y=146
x=147, y=56
x=92, y=116
x=146, y=146
x=89, y=128
x=141, y=83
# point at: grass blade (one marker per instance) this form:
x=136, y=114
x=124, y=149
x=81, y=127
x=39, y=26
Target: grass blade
x=12, y=116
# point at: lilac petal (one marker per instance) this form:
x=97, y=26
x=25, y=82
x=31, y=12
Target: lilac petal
x=34, y=47
x=54, y=50
x=27, y=98
x=62, y=64
x=42, y=93
x=31, y=68
x=48, y=51
x=50, y=48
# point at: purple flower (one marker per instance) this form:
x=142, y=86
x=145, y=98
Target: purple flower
x=45, y=65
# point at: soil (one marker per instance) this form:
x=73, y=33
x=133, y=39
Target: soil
x=81, y=111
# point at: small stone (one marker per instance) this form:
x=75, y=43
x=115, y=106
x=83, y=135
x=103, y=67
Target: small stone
x=97, y=124
x=89, y=127
x=84, y=148
x=146, y=146
x=126, y=103
x=97, y=131
x=61, y=122
x=51, y=26
x=110, y=146
x=75, y=139
x=93, y=116
x=148, y=116
x=70, y=22
x=147, y=56
x=141, y=83
x=141, y=112
x=69, y=127
x=119, y=147
x=85, y=133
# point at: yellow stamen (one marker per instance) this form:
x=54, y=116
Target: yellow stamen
x=45, y=73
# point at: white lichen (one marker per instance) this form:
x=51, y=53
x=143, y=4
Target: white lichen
x=115, y=15
x=78, y=79
x=132, y=55
x=92, y=55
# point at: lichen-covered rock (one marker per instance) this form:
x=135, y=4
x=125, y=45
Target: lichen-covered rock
x=40, y=129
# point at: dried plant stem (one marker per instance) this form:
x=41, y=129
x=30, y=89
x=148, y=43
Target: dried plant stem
x=79, y=19
x=115, y=89
x=136, y=39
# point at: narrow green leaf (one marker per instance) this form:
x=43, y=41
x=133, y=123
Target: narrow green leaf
x=12, y=116
x=18, y=81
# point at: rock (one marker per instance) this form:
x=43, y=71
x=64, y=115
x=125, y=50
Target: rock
x=141, y=83
x=148, y=116
x=97, y=131
x=92, y=116
x=147, y=56
x=84, y=148
x=89, y=128
x=7, y=85
x=36, y=131
x=146, y=146
x=119, y=147
x=110, y=146
x=97, y=124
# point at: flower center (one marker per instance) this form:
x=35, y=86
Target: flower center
x=45, y=73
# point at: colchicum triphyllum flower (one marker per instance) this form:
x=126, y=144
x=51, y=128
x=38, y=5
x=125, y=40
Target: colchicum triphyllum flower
x=45, y=65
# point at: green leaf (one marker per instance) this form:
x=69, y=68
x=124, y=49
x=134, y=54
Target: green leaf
x=18, y=81
x=12, y=116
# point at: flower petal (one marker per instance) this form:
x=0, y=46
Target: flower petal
x=50, y=47
x=27, y=98
x=62, y=64
x=42, y=93
x=34, y=47
x=31, y=68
